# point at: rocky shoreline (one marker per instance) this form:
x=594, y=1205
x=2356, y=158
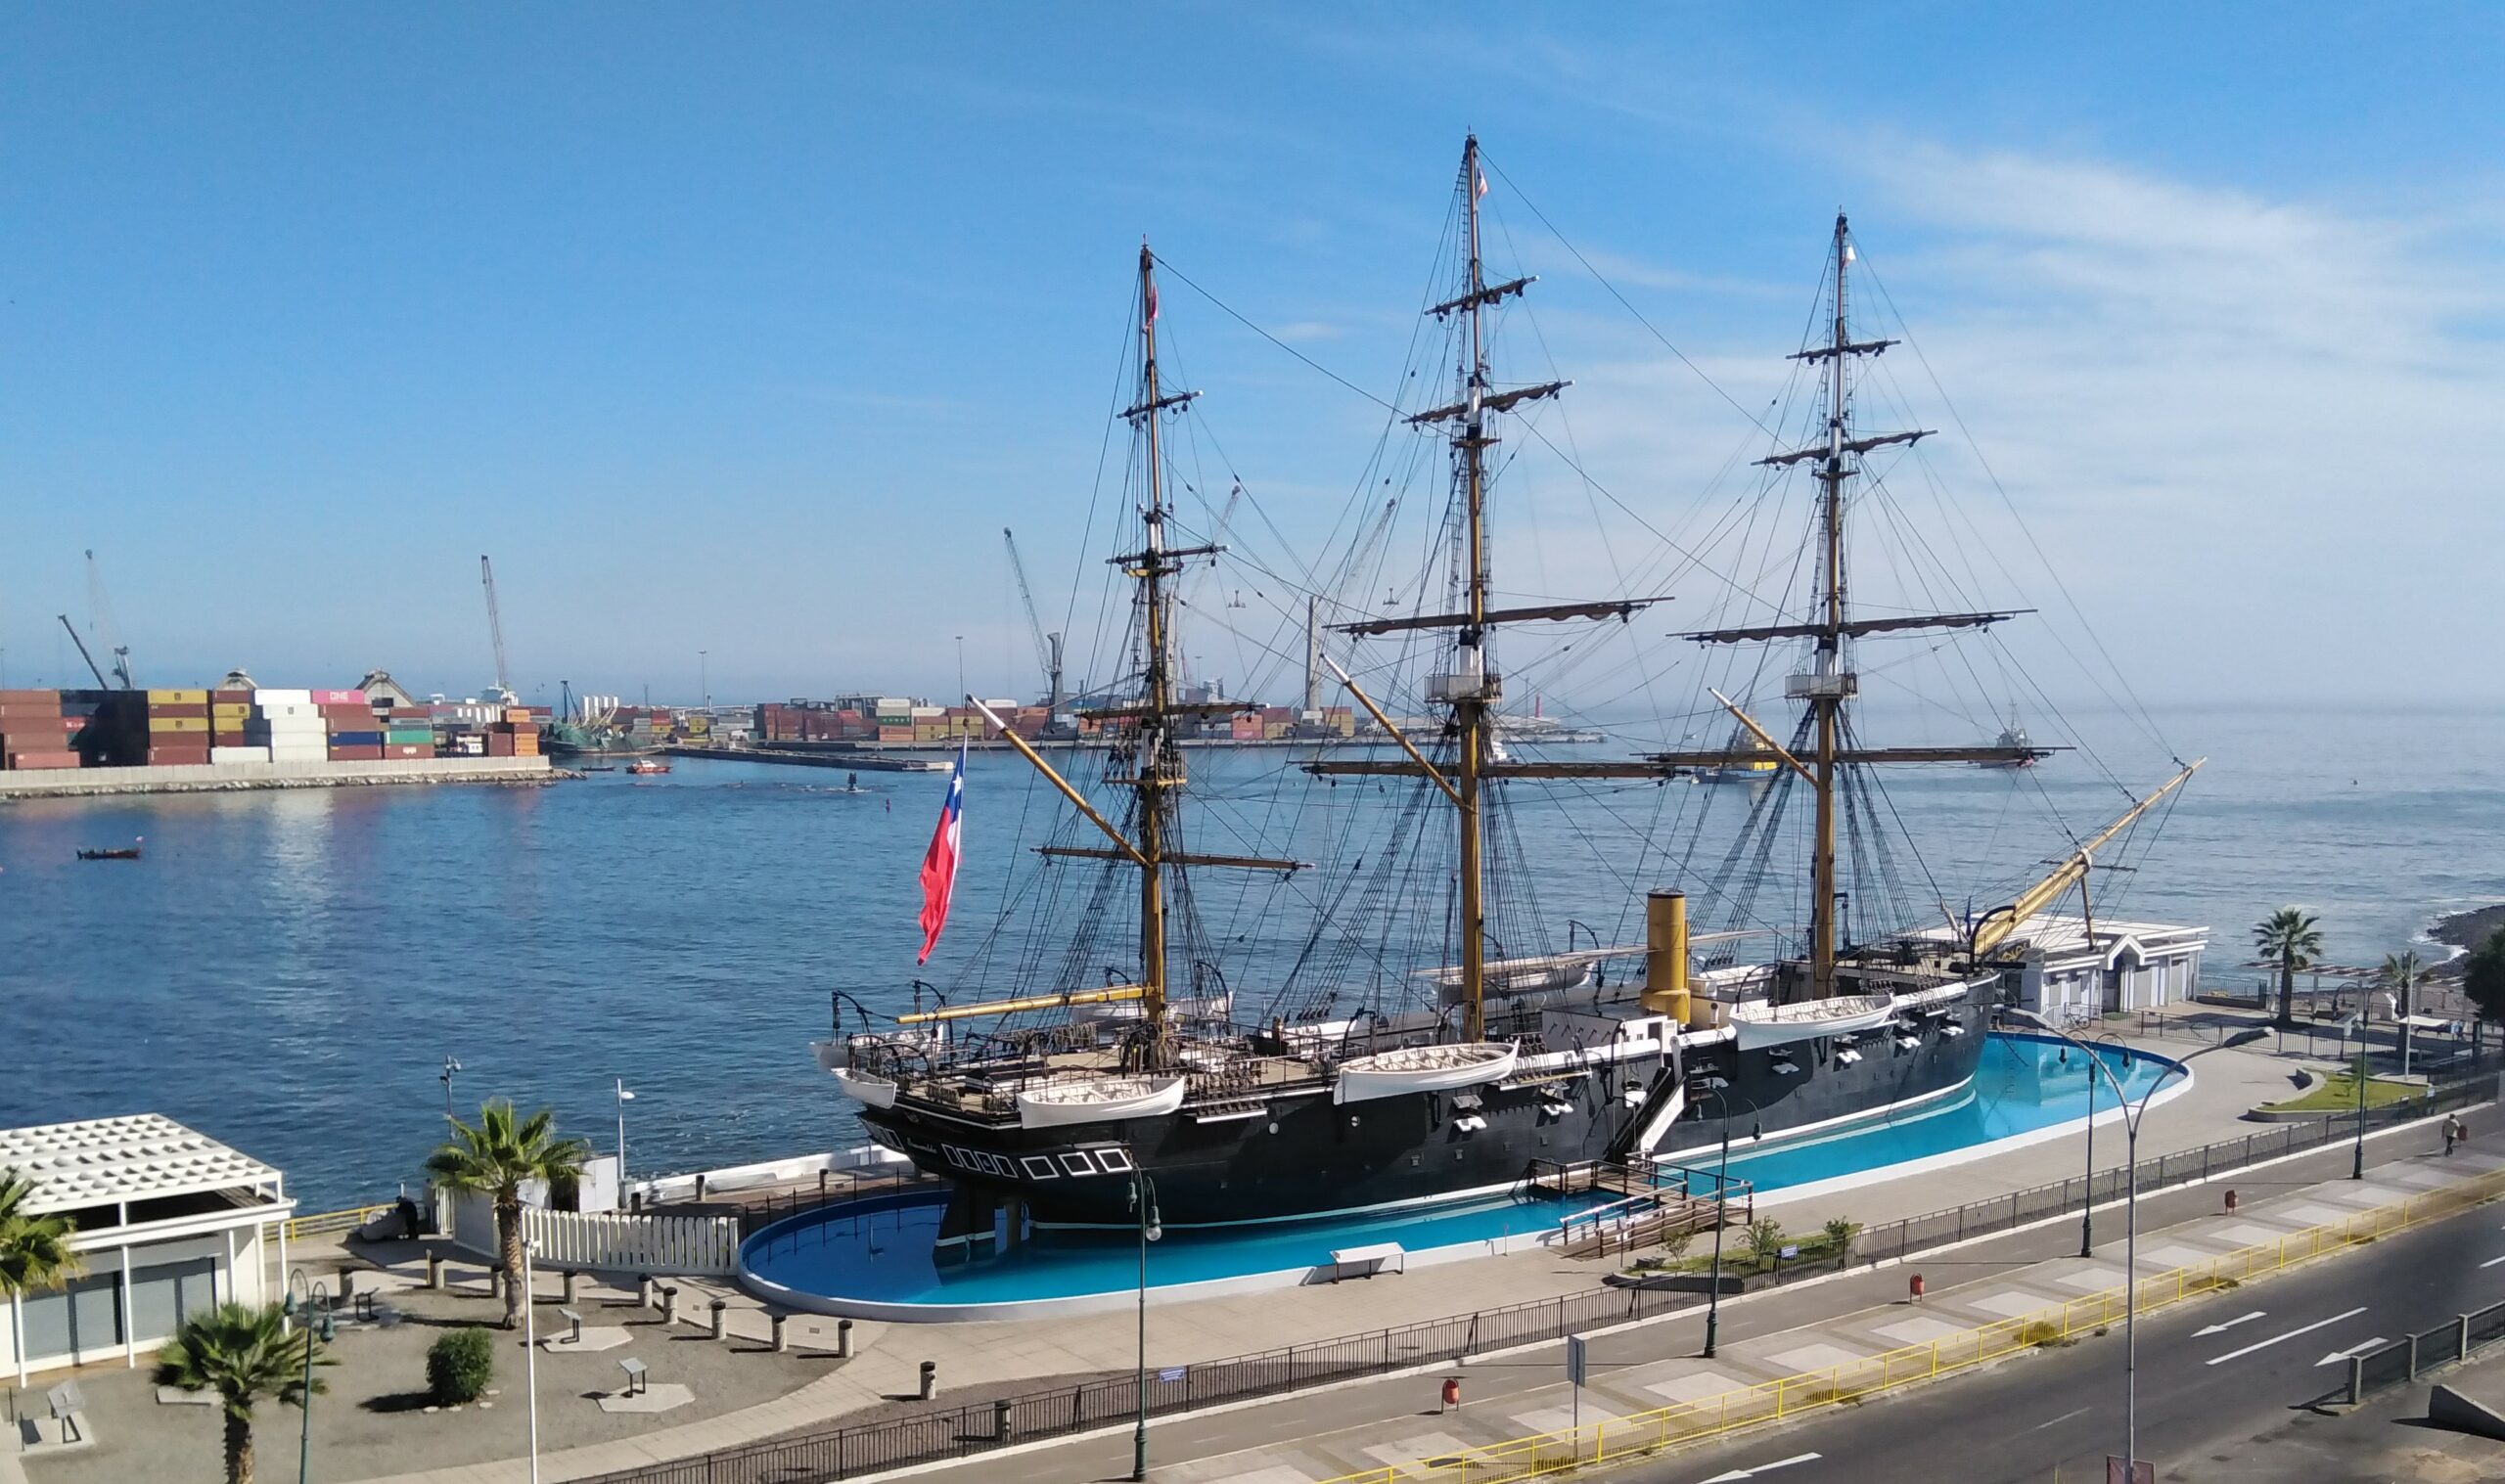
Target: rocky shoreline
x=2468, y=929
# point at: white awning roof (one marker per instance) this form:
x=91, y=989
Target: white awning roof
x=142, y=1157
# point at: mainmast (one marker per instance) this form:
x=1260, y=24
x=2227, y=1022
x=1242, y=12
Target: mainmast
x=1472, y=687
x=1829, y=683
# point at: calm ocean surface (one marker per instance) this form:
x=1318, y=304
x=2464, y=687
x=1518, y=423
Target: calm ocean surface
x=288, y=970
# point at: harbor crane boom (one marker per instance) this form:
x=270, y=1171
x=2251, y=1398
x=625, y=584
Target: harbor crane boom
x=82, y=651
x=100, y=612
x=496, y=631
x=1047, y=646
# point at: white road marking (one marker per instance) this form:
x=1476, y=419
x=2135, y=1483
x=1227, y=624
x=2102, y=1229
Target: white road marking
x=2057, y=1421
x=2291, y=1334
x=1737, y=1474
x=2492, y=1262
x=2351, y=1353
x=2240, y=1319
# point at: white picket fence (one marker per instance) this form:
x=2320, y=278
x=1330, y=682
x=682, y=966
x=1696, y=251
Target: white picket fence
x=684, y=1244
x=701, y=1245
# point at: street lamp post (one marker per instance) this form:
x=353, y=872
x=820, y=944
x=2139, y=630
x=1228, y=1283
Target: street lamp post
x=2132, y=1114
x=308, y=1303
x=530, y=1350
x=1721, y=1214
x=449, y=1067
x=704, y=680
x=623, y=1097
x=1144, y=1201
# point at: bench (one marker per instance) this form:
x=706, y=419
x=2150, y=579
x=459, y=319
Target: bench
x=576, y=1321
x=66, y=1407
x=636, y=1384
x=1367, y=1260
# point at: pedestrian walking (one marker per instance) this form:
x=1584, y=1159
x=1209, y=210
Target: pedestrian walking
x=2454, y=1133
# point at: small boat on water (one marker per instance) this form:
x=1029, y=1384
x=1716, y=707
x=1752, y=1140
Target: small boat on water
x=2013, y=738
x=598, y=768
x=117, y=853
x=647, y=765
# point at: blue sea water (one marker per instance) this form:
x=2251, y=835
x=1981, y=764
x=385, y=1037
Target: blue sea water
x=289, y=970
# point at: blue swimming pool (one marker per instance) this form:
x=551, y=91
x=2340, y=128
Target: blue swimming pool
x=2022, y=1084
x=877, y=1256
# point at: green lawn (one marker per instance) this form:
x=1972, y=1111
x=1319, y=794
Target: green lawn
x=2340, y=1091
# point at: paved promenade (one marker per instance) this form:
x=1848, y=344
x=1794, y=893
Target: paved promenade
x=982, y=1360
x=1394, y=1423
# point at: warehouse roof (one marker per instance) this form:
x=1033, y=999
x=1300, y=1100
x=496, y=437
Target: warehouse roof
x=141, y=1157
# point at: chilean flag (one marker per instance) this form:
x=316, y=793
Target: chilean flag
x=939, y=862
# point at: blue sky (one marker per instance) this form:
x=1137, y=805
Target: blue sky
x=745, y=330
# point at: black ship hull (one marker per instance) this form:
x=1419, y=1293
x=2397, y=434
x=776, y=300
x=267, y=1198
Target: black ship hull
x=1299, y=1156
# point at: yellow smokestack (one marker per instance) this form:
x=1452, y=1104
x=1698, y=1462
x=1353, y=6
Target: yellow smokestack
x=1666, y=954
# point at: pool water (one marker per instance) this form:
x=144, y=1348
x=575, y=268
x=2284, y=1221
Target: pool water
x=881, y=1250
x=2022, y=1084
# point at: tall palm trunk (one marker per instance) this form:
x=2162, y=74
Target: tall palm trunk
x=2287, y=991
x=238, y=1449
x=508, y=1249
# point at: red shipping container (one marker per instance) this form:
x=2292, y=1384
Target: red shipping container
x=500, y=744
x=27, y=761
x=178, y=757
x=22, y=697
x=338, y=697
x=407, y=749
x=365, y=754
x=170, y=708
x=230, y=697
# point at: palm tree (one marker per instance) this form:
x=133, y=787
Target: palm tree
x=2289, y=939
x=244, y=1353
x=496, y=1159
x=2400, y=972
x=34, y=1255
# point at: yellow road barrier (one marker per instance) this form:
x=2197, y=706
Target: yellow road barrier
x=322, y=1223
x=1554, y=1453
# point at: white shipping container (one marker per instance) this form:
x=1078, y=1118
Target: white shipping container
x=238, y=755
x=928, y=713
x=285, y=709
x=282, y=698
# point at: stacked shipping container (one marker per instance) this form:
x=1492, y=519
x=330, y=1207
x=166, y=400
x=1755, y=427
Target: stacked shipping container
x=287, y=726
x=35, y=733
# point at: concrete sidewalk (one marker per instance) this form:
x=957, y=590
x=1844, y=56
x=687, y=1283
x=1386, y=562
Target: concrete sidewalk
x=979, y=1361
x=1395, y=1424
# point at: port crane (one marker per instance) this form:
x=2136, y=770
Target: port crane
x=497, y=633
x=1048, y=649
x=101, y=615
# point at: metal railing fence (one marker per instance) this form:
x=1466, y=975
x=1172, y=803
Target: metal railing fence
x=975, y=1427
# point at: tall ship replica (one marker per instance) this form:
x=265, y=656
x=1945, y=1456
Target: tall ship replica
x=1479, y=1053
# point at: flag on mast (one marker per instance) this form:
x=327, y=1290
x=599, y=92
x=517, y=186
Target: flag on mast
x=939, y=862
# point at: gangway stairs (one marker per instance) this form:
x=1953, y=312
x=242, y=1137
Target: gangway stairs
x=1656, y=1203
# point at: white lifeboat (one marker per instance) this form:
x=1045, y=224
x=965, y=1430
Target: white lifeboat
x=1423, y=1068
x=1096, y=1100
x=861, y=1087
x=1762, y=1023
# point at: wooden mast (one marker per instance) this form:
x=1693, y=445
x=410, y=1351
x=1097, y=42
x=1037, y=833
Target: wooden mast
x=1828, y=681
x=1158, y=769
x=1473, y=687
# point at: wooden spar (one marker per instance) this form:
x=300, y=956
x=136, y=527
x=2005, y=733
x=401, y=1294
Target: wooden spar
x=1470, y=699
x=1111, y=994
x=1180, y=858
x=1661, y=765
x=1780, y=751
x=1999, y=923
x=1620, y=608
x=1127, y=850
x=1395, y=733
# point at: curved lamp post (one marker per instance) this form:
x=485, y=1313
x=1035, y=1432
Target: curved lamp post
x=1722, y=1213
x=308, y=1304
x=2132, y=1114
x=1143, y=1202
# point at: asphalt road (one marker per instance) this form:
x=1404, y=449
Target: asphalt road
x=2225, y=1386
